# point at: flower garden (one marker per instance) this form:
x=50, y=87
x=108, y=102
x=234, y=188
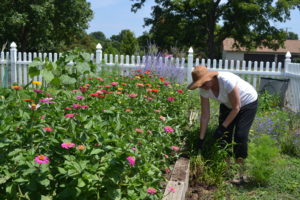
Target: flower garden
x=111, y=136
x=114, y=137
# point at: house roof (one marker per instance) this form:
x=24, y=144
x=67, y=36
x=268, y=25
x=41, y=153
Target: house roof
x=292, y=46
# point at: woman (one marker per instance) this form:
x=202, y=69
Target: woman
x=237, y=109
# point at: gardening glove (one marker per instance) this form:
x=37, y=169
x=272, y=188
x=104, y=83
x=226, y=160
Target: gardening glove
x=201, y=143
x=220, y=132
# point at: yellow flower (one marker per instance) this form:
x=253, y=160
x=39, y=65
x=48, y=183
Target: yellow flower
x=177, y=84
x=120, y=88
x=36, y=82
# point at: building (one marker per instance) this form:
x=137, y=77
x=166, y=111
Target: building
x=261, y=53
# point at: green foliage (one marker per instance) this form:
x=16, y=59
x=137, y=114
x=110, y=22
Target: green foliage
x=290, y=144
x=195, y=23
x=263, y=159
x=67, y=71
x=48, y=25
x=107, y=131
x=268, y=102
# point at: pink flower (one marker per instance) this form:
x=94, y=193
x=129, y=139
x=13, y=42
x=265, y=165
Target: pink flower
x=38, y=91
x=47, y=100
x=76, y=106
x=134, y=148
x=67, y=145
x=83, y=88
x=84, y=107
x=132, y=95
x=149, y=99
x=71, y=115
x=67, y=108
x=138, y=130
x=166, y=156
x=80, y=97
x=128, y=110
x=47, y=129
x=172, y=189
x=99, y=92
x=166, y=83
x=157, y=111
x=169, y=129
x=151, y=190
x=107, y=86
x=114, y=83
x=75, y=91
x=131, y=160
x=180, y=91
x=140, y=84
x=41, y=159
x=175, y=148
x=171, y=99
x=104, y=111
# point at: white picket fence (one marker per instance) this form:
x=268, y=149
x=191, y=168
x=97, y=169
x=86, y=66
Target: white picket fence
x=14, y=67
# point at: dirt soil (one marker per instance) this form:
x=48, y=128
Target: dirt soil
x=197, y=191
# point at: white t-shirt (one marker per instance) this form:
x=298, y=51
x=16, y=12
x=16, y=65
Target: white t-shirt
x=227, y=81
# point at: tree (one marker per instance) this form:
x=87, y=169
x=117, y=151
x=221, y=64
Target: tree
x=248, y=22
x=99, y=36
x=43, y=25
x=292, y=36
x=126, y=42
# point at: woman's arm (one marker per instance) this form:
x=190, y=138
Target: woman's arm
x=205, y=115
x=234, y=98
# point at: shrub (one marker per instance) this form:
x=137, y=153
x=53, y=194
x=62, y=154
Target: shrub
x=263, y=159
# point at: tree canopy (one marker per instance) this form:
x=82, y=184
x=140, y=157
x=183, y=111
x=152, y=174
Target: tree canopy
x=43, y=25
x=204, y=24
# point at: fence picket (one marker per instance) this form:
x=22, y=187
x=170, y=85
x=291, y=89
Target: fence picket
x=203, y=61
x=220, y=64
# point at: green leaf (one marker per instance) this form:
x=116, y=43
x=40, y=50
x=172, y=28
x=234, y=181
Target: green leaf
x=65, y=79
x=45, y=182
x=96, y=151
x=61, y=170
x=81, y=183
x=33, y=71
x=82, y=67
x=47, y=75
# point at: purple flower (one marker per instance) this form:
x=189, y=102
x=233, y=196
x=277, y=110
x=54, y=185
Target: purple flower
x=47, y=100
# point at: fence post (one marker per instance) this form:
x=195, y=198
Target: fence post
x=287, y=61
x=190, y=64
x=98, y=53
x=12, y=70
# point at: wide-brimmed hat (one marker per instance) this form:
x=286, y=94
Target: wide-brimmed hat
x=200, y=75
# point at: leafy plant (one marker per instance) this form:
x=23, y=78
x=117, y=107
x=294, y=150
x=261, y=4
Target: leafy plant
x=263, y=159
x=67, y=71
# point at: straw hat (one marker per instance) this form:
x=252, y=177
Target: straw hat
x=200, y=75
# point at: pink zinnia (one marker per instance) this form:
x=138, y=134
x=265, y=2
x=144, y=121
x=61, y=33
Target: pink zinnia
x=84, y=107
x=76, y=106
x=151, y=190
x=67, y=108
x=41, y=159
x=114, y=83
x=47, y=129
x=67, y=145
x=131, y=160
x=157, y=111
x=171, y=99
x=134, y=148
x=132, y=95
x=169, y=129
x=180, y=91
x=80, y=97
x=128, y=110
x=38, y=91
x=175, y=148
x=166, y=83
x=172, y=189
x=47, y=100
x=69, y=115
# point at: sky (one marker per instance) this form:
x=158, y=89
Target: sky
x=113, y=16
